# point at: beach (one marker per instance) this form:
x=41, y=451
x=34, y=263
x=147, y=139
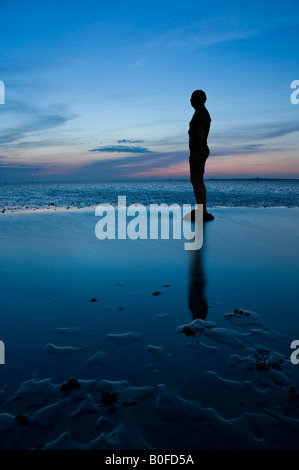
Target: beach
x=140, y=344
x=149, y=201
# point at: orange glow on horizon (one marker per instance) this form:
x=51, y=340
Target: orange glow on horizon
x=244, y=165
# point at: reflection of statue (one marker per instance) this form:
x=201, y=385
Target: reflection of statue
x=196, y=299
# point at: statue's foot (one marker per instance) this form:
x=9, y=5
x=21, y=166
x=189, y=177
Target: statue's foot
x=208, y=217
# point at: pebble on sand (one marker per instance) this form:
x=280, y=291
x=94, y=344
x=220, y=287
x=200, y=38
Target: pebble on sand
x=109, y=398
x=24, y=420
x=71, y=384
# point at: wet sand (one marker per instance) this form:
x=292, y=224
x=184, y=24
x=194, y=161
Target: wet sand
x=205, y=364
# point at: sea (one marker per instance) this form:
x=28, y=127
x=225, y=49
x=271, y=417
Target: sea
x=221, y=193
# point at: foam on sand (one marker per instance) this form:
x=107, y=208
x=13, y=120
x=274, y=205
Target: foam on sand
x=124, y=339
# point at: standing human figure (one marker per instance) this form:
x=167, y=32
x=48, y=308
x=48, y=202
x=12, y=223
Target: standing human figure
x=199, y=128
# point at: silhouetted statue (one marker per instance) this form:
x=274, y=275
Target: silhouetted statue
x=197, y=283
x=199, y=128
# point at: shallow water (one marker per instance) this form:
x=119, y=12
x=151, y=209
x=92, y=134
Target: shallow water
x=52, y=265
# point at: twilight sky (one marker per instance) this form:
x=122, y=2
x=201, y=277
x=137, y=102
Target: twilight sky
x=101, y=90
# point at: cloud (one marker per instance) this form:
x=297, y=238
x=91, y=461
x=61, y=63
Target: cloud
x=18, y=171
x=205, y=33
x=126, y=141
x=131, y=164
x=121, y=149
x=241, y=150
x=21, y=166
x=257, y=133
x=280, y=129
x=43, y=143
x=11, y=135
x=158, y=164
x=29, y=120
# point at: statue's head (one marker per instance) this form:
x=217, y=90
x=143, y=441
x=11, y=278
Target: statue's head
x=198, y=99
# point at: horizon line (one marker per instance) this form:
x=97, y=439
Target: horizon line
x=256, y=178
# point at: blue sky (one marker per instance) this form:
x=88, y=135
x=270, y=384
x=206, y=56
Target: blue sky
x=98, y=90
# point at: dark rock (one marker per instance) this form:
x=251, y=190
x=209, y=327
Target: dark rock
x=157, y=293
x=71, y=384
x=262, y=366
x=24, y=420
x=277, y=364
x=237, y=313
x=263, y=362
x=294, y=396
x=93, y=300
x=108, y=398
x=188, y=331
